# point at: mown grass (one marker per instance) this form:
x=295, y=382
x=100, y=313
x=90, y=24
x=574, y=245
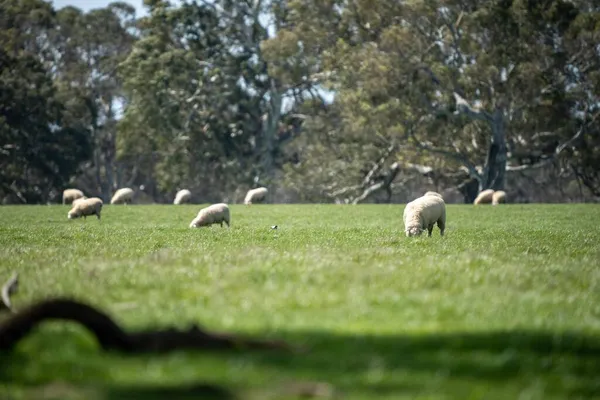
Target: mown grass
x=505, y=306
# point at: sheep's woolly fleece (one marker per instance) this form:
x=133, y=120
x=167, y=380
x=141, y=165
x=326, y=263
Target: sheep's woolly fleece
x=499, y=197
x=78, y=200
x=430, y=193
x=423, y=213
x=485, y=197
x=123, y=195
x=256, y=195
x=83, y=208
x=69, y=195
x=214, y=214
x=183, y=196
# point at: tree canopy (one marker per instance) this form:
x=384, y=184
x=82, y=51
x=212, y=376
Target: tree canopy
x=322, y=101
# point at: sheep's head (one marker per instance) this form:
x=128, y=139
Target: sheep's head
x=413, y=231
x=74, y=213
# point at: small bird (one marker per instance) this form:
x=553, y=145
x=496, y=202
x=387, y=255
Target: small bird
x=274, y=227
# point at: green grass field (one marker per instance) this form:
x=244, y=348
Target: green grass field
x=505, y=306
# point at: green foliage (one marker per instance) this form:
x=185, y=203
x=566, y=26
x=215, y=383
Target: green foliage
x=220, y=96
x=186, y=105
x=40, y=149
x=90, y=46
x=505, y=305
x=394, y=67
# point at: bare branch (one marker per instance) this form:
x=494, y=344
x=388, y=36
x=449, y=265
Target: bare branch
x=558, y=150
x=464, y=107
x=456, y=156
x=12, y=188
x=378, y=165
x=9, y=288
x=111, y=336
x=345, y=190
x=385, y=184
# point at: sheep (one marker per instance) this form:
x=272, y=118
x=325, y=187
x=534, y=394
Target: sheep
x=71, y=194
x=214, y=214
x=423, y=213
x=485, y=197
x=430, y=193
x=79, y=200
x=256, y=195
x=183, y=196
x=499, y=197
x=122, y=196
x=86, y=207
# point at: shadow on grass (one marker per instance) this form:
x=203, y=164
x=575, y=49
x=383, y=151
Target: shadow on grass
x=567, y=363
x=199, y=391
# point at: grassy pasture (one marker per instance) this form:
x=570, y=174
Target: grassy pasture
x=505, y=306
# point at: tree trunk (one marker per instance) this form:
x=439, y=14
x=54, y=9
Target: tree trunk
x=98, y=173
x=269, y=132
x=469, y=189
x=495, y=165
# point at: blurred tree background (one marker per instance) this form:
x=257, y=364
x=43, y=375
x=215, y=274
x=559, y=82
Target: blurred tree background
x=344, y=101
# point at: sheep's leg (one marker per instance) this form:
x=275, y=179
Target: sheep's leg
x=98, y=215
x=227, y=222
x=442, y=225
x=221, y=223
x=429, y=229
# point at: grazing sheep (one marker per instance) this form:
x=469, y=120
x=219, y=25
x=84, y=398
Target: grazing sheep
x=71, y=194
x=433, y=194
x=423, y=213
x=122, y=196
x=499, y=197
x=86, y=207
x=214, y=214
x=256, y=195
x=79, y=200
x=183, y=196
x=485, y=197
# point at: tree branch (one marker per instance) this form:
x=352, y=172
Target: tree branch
x=456, y=156
x=112, y=337
x=393, y=172
x=464, y=107
x=378, y=165
x=9, y=288
x=15, y=191
x=559, y=149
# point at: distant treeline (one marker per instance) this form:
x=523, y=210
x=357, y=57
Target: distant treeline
x=320, y=101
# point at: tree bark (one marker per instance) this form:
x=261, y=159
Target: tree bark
x=269, y=131
x=495, y=165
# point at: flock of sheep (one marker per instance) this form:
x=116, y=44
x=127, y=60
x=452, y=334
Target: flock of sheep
x=83, y=206
x=419, y=215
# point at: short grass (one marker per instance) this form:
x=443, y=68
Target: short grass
x=505, y=306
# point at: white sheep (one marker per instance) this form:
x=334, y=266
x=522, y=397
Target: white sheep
x=71, y=194
x=122, y=196
x=256, y=195
x=182, y=196
x=83, y=208
x=423, y=213
x=484, y=197
x=78, y=200
x=430, y=193
x=499, y=197
x=214, y=214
